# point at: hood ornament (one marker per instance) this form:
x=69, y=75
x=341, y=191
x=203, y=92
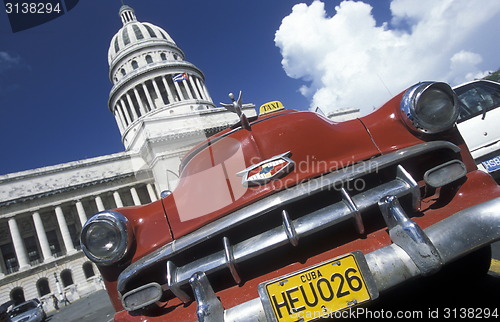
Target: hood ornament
x=236, y=107
x=267, y=170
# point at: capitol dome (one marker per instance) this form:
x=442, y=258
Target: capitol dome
x=134, y=34
x=151, y=80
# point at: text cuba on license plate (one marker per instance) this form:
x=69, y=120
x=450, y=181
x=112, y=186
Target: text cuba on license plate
x=315, y=292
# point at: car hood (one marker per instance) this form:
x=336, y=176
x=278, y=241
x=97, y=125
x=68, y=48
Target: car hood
x=232, y=169
x=24, y=316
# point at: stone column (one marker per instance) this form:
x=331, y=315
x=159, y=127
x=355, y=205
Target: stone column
x=206, y=91
x=118, y=121
x=193, y=85
x=132, y=107
x=179, y=91
x=167, y=88
x=157, y=90
x=151, y=192
x=135, y=196
x=118, y=199
x=148, y=96
x=99, y=204
x=139, y=101
x=125, y=112
x=81, y=212
x=2, y=266
x=63, y=226
x=22, y=257
x=200, y=88
x=42, y=237
x=122, y=116
x=188, y=90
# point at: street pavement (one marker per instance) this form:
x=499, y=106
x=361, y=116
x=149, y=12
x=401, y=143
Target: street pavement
x=93, y=308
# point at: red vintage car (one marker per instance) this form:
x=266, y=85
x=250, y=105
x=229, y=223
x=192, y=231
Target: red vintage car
x=290, y=216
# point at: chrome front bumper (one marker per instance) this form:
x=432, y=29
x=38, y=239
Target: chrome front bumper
x=446, y=241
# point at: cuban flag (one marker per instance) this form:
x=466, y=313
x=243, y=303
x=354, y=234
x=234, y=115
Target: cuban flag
x=180, y=77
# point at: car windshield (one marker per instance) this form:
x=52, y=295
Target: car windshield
x=22, y=308
x=475, y=98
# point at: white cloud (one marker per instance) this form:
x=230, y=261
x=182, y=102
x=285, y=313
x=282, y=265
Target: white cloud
x=8, y=61
x=463, y=66
x=350, y=60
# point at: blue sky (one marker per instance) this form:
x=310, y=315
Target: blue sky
x=54, y=92
x=54, y=81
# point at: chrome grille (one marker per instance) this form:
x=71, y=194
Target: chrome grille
x=289, y=230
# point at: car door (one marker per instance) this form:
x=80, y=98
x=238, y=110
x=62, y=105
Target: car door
x=479, y=115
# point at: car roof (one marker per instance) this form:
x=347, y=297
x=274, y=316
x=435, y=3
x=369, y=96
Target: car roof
x=476, y=81
x=37, y=301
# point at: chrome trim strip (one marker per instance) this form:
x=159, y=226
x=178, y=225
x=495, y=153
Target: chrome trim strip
x=290, y=231
x=404, y=176
x=173, y=286
x=280, y=198
x=356, y=213
x=230, y=262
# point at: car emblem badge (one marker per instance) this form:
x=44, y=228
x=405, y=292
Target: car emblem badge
x=265, y=171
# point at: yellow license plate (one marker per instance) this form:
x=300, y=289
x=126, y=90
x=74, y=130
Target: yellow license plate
x=318, y=291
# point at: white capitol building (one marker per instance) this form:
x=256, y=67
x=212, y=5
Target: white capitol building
x=162, y=108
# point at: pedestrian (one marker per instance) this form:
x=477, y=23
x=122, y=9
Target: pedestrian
x=65, y=299
x=55, y=302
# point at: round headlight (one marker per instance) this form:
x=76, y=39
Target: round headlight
x=430, y=107
x=106, y=237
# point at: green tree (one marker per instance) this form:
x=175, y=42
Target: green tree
x=495, y=76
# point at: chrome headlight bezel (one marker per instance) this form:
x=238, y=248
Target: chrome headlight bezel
x=419, y=112
x=116, y=223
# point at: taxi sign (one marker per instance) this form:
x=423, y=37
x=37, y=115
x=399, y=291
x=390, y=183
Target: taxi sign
x=271, y=107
